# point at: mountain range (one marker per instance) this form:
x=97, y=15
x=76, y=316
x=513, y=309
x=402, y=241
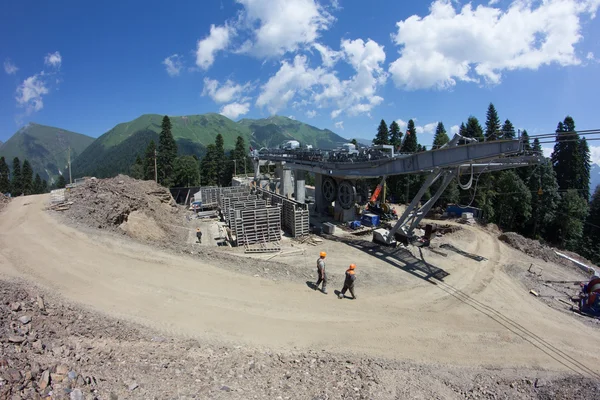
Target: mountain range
x=46, y=148
x=116, y=150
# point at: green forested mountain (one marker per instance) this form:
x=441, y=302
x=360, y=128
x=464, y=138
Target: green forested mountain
x=45, y=147
x=116, y=150
x=272, y=131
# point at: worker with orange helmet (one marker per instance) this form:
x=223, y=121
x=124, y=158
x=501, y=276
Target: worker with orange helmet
x=349, y=282
x=199, y=235
x=321, y=272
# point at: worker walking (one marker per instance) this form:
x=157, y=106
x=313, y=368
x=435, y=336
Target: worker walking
x=199, y=235
x=321, y=272
x=349, y=282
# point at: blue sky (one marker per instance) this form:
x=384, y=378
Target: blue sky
x=340, y=65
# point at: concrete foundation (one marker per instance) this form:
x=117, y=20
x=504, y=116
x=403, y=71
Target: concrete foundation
x=342, y=215
x=285, y=180
x=320, y=203
x=299, y=186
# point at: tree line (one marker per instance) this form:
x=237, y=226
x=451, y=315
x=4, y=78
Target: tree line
x=20, y=180
x=162, y=162
x=549, y=202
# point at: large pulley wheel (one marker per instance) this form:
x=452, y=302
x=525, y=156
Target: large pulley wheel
x=346, y=195
x=329, y=189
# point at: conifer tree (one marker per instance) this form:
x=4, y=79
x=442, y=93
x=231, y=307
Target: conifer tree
x=508, y=130
x=167, y=152
x=492, y=124
x=27, y=178
x=382, y=136
x=17, y=181
x=441, y=137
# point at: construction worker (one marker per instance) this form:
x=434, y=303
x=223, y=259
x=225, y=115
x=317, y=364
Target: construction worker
x=349, y=282
x=199, y=235
x=321, y=272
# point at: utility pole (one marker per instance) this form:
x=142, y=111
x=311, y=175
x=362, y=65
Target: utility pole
x=70, y=179
x=155, y=170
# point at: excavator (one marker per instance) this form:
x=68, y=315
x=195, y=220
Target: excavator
x=381, y=208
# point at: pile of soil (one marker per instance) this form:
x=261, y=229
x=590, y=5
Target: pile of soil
x=141, y=209
x=3, y=201
x=538, y=250
x=50, y=349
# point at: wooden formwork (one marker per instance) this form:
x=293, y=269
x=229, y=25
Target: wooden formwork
x=259, y=226
x=295, y=215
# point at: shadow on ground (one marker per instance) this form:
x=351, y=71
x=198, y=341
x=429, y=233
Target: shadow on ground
x=400, y=258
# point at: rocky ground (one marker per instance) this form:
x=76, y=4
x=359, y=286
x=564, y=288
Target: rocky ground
x=54, y=350
x=3, y=201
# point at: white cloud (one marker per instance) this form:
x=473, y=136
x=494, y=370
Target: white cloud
x=356, y=95
x=218, y=39
x=290, y=79
x=481, y=43
x=595, y=154
x=30, y=93
x=590, y=56
x=234, y=110
x=224, y=93
x=281, y=26
x=340, y=125
x=174, y=64
x=454, y=129
x=329, y=56
x=548, y=151
x=53, y=59
x=10, y=68
x=428, y=128
x=311, y=113
x=402, y=124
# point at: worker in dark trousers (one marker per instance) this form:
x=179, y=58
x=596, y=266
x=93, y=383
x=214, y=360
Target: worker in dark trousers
x=199, y=235
x=321, y=272
x=349, y=282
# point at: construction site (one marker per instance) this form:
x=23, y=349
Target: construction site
x=123, y=289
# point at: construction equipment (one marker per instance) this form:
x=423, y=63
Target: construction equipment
x=381, y=208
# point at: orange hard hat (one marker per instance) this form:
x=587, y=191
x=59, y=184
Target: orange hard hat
x=352, y=266
x=323, y=254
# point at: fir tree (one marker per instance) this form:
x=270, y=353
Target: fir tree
x=61, y=182
x=220, y=161
x=463, y=129
x=545, y=200
x=508, y=130
x=136, y=171
x=167, y=152
x=410, y=144
x=492, y=124
x=37, y=185
x=208, y=167
x=513, y=201
x=583, y=172
x=44, y=186
x=4, y=176
x=395, y=135
x=473, y=129
x=441, y=137
x=567, y=228
x=27, y=178
x=382, y=136
x=148, y=161
x=592, y=228
x=567, y=156
x=525, y=141
x=17, y=181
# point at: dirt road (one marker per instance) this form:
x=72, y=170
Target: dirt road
x=479, y=316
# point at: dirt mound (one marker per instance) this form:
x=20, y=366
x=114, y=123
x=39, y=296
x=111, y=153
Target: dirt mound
x=538, y=250
x=3, y=201
x=142, y=209
x=55, y=350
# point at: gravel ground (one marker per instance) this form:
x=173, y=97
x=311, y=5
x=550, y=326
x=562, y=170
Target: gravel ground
x=51, y=349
